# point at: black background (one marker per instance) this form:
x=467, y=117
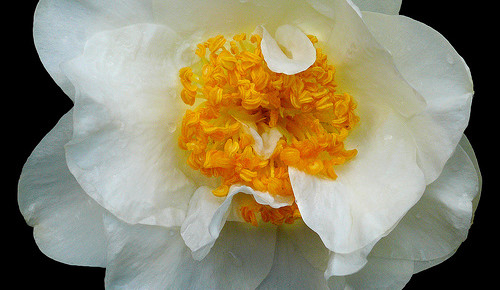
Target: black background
x=34, y=104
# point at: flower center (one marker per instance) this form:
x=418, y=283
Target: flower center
x=249, y=124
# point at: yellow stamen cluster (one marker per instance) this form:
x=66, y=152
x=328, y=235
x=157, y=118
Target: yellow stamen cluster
x=250, y=211
x=236, y=87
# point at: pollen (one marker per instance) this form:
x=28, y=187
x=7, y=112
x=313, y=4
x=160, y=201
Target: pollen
x=230, y=87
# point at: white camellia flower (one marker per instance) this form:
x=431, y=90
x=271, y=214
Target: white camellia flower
x=326, y=150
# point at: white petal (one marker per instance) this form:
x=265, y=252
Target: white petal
x=207, y=214
x=381, y=274
x=156, y=258
x=124, y=150
x=264, y=144
x=74, y=22
x=467, y=147
x=274, y=201
x=431, y=65
x=439, y=222
x=372, y=192
x=67, y=223
x=364, y=68
x=345, y=264
x=420, y=266
x=301, y=49
x=308, y=244
x=233, y=17
x=381, y=6
x=290, y=268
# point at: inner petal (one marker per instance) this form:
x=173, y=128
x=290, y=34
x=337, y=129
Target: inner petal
x=250, y=123
x=303, y=53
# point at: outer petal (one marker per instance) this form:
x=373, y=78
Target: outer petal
x=67, y=223
x=291, y=270
x=436, y=226
x=124, y=149
x=152, y=257
x=381, y=6
x=74, y=22
x=307, y=243
x=364, y=202
x=377, y=274
x=434, y=69
x=346, y=264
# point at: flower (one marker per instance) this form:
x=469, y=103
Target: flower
x=110, y=185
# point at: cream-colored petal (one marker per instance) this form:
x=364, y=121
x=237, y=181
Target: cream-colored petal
x=67, y=223
x=431, y=65
x=124, y=150
x=364, y=202
x=142, y=256
x=295, y=42
x=74, y=22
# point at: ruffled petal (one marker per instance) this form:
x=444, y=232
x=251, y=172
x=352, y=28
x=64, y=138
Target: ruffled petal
x=207, y=215
x=437, y=225
x=431, y=65
x=74, y=22
x=67, y=223
x=124, y=150
x=364, y=202
x=156, y=258
x=345, y=264
x=364, y=68
x=291, y=270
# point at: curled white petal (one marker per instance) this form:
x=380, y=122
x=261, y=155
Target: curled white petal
x=207, y=214
x=264, y=144
x=303, y=53
x=273, y=201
